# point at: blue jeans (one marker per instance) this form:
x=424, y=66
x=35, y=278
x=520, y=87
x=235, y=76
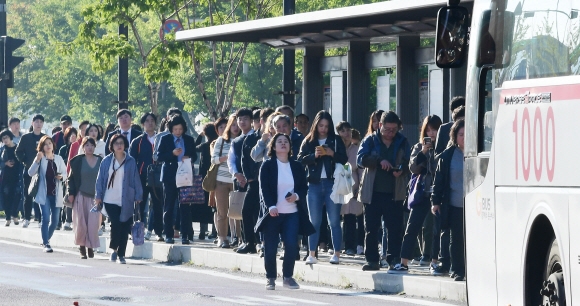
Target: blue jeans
x=49, y=212
x=286, y=226
x=318, y=195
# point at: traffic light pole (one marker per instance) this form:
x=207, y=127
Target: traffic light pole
x=3, y=87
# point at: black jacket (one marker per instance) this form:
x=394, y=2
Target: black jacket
x=269, y=194
x=441, y=187
x=443, y=137
x=204, y=159
x=73, y=181
x=314, y=165
x=166, y=147
x=26, y=149
x=250, y=168
x=58, y=139
x=134, y=134
x=142, y=151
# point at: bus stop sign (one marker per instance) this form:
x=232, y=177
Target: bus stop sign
x=168, y=27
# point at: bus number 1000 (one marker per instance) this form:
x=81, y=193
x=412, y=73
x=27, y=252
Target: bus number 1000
x=535, y=139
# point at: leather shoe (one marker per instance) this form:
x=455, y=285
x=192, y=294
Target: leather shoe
x=247, y=249
x=169, y=240
x=184, y=241
x=371, y=266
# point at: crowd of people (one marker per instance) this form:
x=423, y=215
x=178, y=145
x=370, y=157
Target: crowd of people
x=406, y=204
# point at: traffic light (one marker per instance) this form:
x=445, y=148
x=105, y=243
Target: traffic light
x=9, y=62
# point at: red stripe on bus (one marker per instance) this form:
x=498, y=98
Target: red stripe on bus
x=558, y=92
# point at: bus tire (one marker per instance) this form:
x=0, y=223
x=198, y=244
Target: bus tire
x=539, y=246
x=553, y=291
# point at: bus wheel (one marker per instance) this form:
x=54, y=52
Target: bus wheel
x=553, y=291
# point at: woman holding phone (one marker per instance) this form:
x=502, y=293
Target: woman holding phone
x=319, y=153
x=51, y=171
x=422, y=163
x=283, y=211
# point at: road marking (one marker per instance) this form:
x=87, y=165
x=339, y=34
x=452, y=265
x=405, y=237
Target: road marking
x=326, y=290
x=235, y=301
x=68, y=264
x=31, y=264
x=291, y=299
x=125, y=276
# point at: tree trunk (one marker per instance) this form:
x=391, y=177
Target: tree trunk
x=154, y=96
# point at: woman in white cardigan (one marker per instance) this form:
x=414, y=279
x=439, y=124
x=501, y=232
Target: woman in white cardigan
x=51, y=172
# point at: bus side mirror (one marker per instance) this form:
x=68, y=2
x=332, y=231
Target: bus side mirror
x=495, y=39
x=452, y=35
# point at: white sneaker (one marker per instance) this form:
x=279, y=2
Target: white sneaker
x=360, y=250
x=334, y=260
x=103, y=228
x=384, y=263
x=25, y=223
x=311, y=260
x=331, y=251
x=67, y=226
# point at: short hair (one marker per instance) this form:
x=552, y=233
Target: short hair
x=256, y=114
x=302, y=115
x=285, y=108
x=173, y=111
x=269, y=120
x=210, y=132
x=163, y=125
x=255, y=108
x=456, y=102
x=343, y=125
x=38, y=116
x=6, y=132
x=12, y=120
x=272, y=145
x=265, y=113
x=89, y=140
x=98, y=131
x=174, y=121
x=110, y=127
x=244, y=111
x=458, y=125
x=122, y=112
x=458, y=113
x=281, y=117
x=68, y=132
x=56, y=129
x=433, y=121
x=144, y=117
x=136, y=127
x=218, y=122
x=114, y=139
x=42, y=142
x=391, y=117
x=356, y=134
x=85, y=122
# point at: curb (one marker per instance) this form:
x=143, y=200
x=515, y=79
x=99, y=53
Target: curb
x=343, y=276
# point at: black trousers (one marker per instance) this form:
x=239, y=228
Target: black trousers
x=186, y=222
x=456, y=247
x=383, y=205
x=155, y=205
x=441, y=243
x=353, y=231
x=119, y=230
x=414, y=225
x=250, y=213
x=10, y=202
x=28, y=201
x=169, y=197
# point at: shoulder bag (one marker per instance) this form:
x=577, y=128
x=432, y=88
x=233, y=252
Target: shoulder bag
x=33, y=188
x=210, y=181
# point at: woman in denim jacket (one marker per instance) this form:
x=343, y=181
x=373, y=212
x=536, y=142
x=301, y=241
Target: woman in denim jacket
x=319, y=153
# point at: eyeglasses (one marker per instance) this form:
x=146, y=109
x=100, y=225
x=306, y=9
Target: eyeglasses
x=119, y=143
x=390, y=130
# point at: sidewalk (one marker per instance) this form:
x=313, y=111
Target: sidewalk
x=204, y=253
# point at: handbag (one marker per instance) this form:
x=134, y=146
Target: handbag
x=210, y=179
x=33, y=188
x=138, y=233
x=192, y=194
x=236, y=204
x=154, y=176
x=416, y=190
x=66, y=203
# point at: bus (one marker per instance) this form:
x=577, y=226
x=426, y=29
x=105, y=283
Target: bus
x=522, y=162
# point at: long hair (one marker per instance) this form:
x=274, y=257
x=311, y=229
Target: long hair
x=313, y=134
x=227, y=136
x=272, y=145
x=433, y=121
x=377, y=115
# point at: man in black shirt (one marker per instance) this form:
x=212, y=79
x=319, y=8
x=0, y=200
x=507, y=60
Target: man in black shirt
x=26, y=153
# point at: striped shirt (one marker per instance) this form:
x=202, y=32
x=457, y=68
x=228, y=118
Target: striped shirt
x=223, y=171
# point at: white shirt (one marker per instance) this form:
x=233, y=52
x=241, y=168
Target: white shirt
x=151, y=139
x=114, y=195
x=323, y=173
x=285, y=186
x=128, y=135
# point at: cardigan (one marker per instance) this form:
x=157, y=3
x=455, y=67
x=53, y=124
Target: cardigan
x=40, y=197
x=75, y=176
x=269, y=194
x=132, y=189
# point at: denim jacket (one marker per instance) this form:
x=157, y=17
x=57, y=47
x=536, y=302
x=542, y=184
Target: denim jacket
x=368, y=156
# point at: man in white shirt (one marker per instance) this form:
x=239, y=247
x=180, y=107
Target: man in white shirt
x=125, y=120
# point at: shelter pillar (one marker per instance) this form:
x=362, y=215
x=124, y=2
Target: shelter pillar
x=313, y=86
x=358, y=84
x=408, y=86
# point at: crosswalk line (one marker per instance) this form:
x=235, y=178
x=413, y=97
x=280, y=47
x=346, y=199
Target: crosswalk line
x=295, y=300
x=31, y=264
x=68, y=264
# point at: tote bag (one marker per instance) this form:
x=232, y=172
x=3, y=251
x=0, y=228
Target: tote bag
x=192, y=194
x=184, y=175
x=236, y=204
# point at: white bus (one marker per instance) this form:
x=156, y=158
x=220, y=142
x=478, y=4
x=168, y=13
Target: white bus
x=522, y=152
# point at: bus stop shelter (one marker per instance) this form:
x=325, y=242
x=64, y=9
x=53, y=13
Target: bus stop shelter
x=407, y=81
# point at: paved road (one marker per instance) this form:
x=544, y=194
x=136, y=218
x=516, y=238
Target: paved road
x=30, y=277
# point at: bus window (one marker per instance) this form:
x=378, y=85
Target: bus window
x=486, y=109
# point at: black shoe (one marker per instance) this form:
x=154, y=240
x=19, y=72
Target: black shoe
x=212, y=236
x=235, y=242
x=225, y=245
x=247, y=249
x=371, y=266
x=458, y=278
x=184, y=241
x=201, y=236
x=169, y=240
